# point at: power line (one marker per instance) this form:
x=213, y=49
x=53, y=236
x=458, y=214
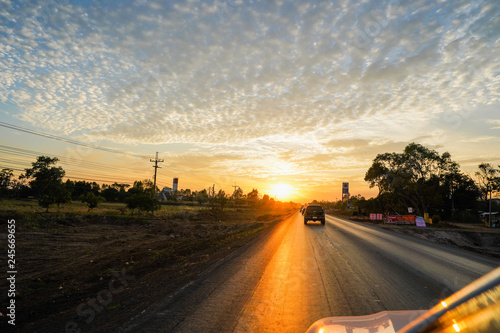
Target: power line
x=93, y=170
x=23, y=152
x=14, y=151
x=66, y=140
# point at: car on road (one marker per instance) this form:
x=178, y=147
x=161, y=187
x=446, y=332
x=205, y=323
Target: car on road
x=314, y=213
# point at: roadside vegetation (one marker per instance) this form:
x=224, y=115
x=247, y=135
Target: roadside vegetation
x=427, y=182
x=44, y=183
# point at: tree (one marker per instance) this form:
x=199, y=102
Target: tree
x=20, y=189
x=143, y=202
x=187, y=195
x=114, y=192
x=57, y=194
x=488, y=179
x=237, y=196
x=144, y=186
x=221, y=200
x=201, y=196
x=489, y=182
x=121, y=188
x=141, y=197
x=5, y=181
x=253, y=197
x=91, y=199
x=109, y=193
x=45, y=179
x=414, y=178
x=61, y=195
x=461, y=193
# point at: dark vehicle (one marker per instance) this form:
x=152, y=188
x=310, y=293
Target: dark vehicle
x=314, y=213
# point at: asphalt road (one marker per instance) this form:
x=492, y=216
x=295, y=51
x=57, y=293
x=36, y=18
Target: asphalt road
x=296, y=274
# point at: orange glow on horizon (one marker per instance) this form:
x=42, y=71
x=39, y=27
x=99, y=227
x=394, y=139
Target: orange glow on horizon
x=281, y=191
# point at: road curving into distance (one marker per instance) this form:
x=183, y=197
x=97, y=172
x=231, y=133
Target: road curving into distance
x=296, y=274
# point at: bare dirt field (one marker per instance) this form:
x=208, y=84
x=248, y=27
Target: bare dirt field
x=90, y=272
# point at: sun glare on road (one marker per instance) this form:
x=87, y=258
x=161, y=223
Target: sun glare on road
x=281, y=191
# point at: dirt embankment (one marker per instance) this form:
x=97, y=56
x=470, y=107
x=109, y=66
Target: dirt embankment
x=93, y=272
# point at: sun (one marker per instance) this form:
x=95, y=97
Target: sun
x=281, y=191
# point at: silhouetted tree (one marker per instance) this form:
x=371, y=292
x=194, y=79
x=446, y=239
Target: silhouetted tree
x=91, y=199
x=414, y=178
x=253, y=197
x=5, y=182
x=46, y=181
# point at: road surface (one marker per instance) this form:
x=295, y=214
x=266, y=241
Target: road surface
x=296, y=274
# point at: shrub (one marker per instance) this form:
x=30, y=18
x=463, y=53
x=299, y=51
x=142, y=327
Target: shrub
x=91, y=199
x=143, y=202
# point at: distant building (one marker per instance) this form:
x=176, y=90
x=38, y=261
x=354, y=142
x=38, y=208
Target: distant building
x=176, y=184
x=168, y=193
x=165, y=193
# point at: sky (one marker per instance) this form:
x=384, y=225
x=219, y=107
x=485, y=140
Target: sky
x=248, y=93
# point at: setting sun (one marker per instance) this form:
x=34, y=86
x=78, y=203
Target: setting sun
x=281, y=191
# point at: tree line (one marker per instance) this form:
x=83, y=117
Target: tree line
x=428, y=182
x=44, y=181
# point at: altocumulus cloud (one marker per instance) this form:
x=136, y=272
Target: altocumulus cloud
x=230, y=72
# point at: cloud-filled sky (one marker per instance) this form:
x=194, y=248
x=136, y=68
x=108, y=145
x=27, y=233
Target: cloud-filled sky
x=257, y=92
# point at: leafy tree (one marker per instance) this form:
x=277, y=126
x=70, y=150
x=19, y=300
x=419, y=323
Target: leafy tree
x=20, y=189
x=61, y=195
x=5, y=181
x=187, y=195
x=141, y=197
x=45, y=201
x=91, y=199
x=143, y=202
x=121, y=188
x=114, y=192
x=144, y=186
x=81, y=187
x=414, y=178
x=45, y=179
x=237, y=196
x=253, y=197
x=56, y=194
x=462, y=194
x=221, y=200
x=488, y=179
x=109, y=193
x=201, y=196
x=43, y=174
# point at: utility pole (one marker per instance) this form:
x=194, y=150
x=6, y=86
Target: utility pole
x=235, y=186
x=156, y=161
x=489, y=213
